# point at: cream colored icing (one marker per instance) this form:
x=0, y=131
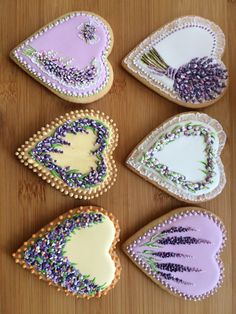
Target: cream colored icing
x=78, y=155
x=89, y=249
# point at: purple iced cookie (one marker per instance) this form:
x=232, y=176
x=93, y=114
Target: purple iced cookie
x=180, y=252
x=69, y=56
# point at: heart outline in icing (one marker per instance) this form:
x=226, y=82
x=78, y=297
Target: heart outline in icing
x=19, y=257
x=85, y=98
x=57, y=182
x=158, y=35
x=162, y=222
x=156, y=180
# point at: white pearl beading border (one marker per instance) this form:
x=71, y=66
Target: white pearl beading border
x=53, y=85
x=169, y=221
x=131, y=60
x=155, y=177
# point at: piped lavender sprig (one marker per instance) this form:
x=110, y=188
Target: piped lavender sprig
x=173, y=267
x=164, y=262
x=198, y=81
x=170, y=277
x=59, y=68
x=179, y=240
x=164, y=255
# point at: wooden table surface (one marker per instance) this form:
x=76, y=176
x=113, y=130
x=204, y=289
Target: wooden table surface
x=28, y=203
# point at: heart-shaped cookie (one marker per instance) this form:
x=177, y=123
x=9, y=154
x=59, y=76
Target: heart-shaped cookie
x=74, y=153
x=180, y=252
x=69, y=56
x=182, y=157
x=182, y=62
x=75, y=252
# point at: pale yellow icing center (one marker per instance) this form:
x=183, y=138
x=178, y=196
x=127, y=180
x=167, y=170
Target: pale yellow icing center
x=78, y=155
x=89, y=249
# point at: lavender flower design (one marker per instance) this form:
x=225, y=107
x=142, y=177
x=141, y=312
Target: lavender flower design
x=168, y=276
x=157, y=258
x=163, y=254
x=176, y=178
x=72, y=177
x=87, y=32
x=59, y=69
x=198, y=81
x=46, y=255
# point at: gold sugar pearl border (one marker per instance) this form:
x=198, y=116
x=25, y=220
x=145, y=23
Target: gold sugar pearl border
x=59, y=184
x=18, y=256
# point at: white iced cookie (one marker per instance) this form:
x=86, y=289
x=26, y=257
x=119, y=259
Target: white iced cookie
x=182, y=62
x=182, y=157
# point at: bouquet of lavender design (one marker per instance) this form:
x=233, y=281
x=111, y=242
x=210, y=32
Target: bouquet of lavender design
x=200, y=80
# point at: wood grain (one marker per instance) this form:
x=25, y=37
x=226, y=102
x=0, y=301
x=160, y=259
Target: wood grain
x=27, y=203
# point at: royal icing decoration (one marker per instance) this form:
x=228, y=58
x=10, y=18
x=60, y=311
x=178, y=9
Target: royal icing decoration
x=87, y=32
x=59, y=68
x=69, y=56
x=182, y=157
x=74, y=153
x=191, y=74
x=180, y=252
x=75, y=252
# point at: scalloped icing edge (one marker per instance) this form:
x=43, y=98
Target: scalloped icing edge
x=19, y=260
x=136, y=167
x=62, y=94
x=164, y=220
x=59, y=184
x=157, y=35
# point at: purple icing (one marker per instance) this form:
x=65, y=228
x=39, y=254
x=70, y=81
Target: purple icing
x=63, y=39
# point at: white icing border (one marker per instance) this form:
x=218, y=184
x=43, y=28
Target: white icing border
x=154, y=177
